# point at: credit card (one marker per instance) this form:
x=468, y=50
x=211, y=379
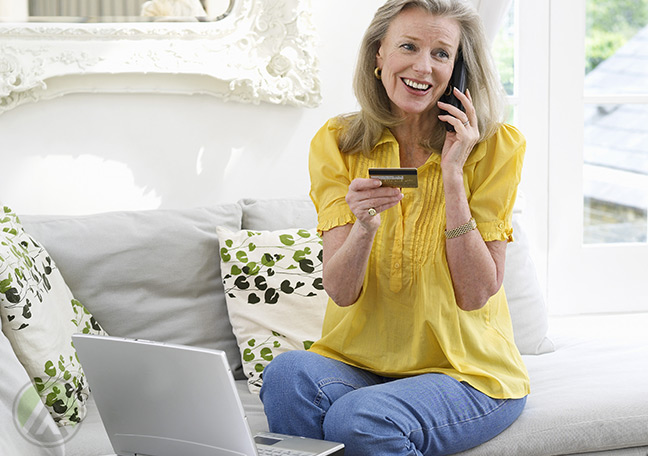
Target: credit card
x=395, y=177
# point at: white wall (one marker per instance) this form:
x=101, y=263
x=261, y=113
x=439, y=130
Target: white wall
x=15, y=10
x=87, y=153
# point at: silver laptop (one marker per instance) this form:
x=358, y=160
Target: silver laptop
x=158, y=399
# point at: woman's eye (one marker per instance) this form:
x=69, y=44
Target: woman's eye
x=442, y=54
x=408, y=47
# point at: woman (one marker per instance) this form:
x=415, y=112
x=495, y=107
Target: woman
x=417, y=353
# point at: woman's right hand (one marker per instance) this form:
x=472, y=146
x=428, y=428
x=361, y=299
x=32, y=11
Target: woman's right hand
x=365, y=194
x=347, y=247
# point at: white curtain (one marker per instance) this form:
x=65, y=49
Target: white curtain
x=492, y=13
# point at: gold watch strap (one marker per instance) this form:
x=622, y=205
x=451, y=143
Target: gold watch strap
x=461, y=230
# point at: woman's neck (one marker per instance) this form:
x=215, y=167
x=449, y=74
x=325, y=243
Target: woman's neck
x=411, y=134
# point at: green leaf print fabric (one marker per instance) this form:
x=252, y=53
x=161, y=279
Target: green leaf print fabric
x=274, y=293
x=39, y=316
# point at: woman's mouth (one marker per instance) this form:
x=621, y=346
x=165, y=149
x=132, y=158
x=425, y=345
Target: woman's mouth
x=418, y=86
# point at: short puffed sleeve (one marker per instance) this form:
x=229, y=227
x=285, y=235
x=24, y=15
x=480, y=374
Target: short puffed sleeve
x=330, y=179
x=493, y=180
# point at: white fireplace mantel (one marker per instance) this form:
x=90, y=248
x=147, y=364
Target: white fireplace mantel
x=264, y=51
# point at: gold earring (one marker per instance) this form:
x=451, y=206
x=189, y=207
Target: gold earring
x=449, y=90
x=378, y=73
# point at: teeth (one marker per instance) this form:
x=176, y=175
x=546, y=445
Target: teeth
x=416, y=85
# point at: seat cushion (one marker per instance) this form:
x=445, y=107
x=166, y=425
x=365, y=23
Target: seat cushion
x=589, y=395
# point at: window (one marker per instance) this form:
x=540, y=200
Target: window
x=615, y=168
x=597, y=253
x=577, y=74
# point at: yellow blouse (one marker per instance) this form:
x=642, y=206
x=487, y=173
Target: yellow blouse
x=406, y=320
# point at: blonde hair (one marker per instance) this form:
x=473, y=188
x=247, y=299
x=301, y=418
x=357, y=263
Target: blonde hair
x=362, y=130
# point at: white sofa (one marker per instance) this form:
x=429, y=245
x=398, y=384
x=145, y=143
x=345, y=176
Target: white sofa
x=157, y=275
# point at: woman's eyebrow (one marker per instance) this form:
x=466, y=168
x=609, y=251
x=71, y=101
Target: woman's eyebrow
x=442, y=42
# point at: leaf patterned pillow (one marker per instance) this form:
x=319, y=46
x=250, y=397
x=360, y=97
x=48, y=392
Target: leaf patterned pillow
x=39, y=316
x=274, y=293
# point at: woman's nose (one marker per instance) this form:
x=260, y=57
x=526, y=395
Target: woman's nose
x=422, y=63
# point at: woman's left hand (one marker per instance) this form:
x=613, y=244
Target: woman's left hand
x=459, y=143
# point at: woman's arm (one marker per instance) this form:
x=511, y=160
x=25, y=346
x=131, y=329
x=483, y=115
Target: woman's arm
x=476, y=267
x=347, y=248
x=346, y=253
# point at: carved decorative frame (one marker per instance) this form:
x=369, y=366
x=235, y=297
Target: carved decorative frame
x=264, y=50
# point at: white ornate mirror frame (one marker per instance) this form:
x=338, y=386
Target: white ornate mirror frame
x=263, y=51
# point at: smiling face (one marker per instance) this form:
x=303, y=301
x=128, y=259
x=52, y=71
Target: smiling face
x=417, y=57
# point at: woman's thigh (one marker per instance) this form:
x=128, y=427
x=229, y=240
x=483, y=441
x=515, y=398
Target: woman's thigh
x=299, y=387
x=430, y=414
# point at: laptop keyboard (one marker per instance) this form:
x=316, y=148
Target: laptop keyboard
x=270, y=451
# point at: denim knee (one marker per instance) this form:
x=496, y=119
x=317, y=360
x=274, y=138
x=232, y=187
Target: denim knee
x=282, y=374
x=359, y=419
x=345, y=418
x=289, y=395
x=381, y=420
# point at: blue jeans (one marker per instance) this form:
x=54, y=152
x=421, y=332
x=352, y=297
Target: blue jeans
x=308, y=395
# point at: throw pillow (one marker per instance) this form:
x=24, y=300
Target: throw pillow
x=274, y=293
x=27, y=427
x=152, y=274
x=529, y=313
x=39, y=316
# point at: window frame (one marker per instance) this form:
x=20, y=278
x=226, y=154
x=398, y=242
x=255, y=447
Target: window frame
x=577, y=278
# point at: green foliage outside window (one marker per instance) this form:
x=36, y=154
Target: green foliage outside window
x=610, y=24
x=503, y=51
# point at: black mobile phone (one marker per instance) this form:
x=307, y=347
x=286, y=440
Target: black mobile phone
x=458, y=80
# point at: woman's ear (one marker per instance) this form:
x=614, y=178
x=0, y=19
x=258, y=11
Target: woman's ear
x=379, y=59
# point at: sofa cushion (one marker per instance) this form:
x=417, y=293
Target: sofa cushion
x=253, y=407
x=148, y=274
x=91, y=438
x=526, y=301
x=277, y=214
x=25, y=426
x=589, y=395
x=39, y=316
x=274, y=292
